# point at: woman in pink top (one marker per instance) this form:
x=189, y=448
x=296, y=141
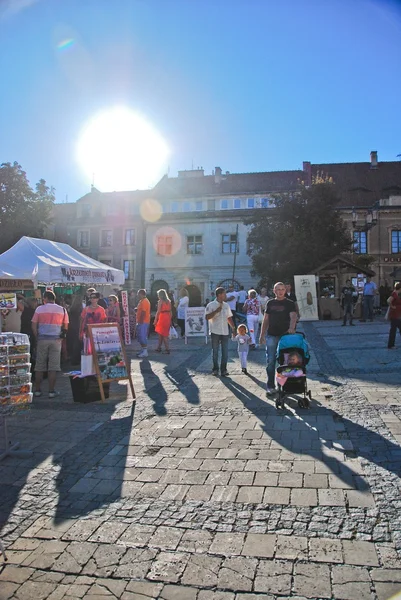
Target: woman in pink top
x=251, y=309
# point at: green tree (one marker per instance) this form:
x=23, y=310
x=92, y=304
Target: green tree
x=23, y=211
x=303, y=231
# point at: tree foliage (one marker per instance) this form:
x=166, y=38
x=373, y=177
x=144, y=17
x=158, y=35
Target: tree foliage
x=302, y=232
x=23, y=211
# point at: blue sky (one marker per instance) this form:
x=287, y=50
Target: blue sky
x=247, y=85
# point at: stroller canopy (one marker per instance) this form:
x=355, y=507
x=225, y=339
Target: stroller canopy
x=294, y=340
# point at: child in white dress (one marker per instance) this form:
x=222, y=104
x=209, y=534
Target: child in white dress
x=243, y=340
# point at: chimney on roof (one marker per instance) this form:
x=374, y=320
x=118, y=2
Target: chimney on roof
x=217, y=174
x=373, y=159
x=307, y=169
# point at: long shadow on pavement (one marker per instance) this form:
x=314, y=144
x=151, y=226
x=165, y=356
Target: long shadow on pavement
x=154, y=388
x=374, y=447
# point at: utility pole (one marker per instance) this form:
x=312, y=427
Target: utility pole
x=235, y=253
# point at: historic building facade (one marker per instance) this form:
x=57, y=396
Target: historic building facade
x=189, y=230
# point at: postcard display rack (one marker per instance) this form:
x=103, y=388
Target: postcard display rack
x=15, y=385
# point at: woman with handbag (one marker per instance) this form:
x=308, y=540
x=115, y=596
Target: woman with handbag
x=163, y=320
x=394, y=315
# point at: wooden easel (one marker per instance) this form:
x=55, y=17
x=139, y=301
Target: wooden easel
x=101, y=381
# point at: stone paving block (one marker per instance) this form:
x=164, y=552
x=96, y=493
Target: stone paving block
x=82, y=530
x=242, y=478
x=386, y=591
x=319, y=481
x=137, y=535
x=194, y=477
x=352, y=590
x=280, y=467
x=218, y=478
x=201, y=568
x=225, y=493
x=147, y=475
x=273, y=576
x=254, y=597
x=227, y=543
x=235, y=465
x=388, y=555
x=359, y=499
x=135, y=563
x=259, y=544
x=168, y=566
x=14, y=574
x=292, y=547
x=303, y=497
x=108, y=532
x=166, y=538
x=8, y=589
x=346, y=484
x=200, y=492
x=190, y=464
x=129, y=489
x=151, y=490
x=209, y=595
x=388, y=575
x=266, y=479
x=195, y=541
x=206, y=453
x=290, y=480
x=247, y=454
x=174, y=492
x=45, y=554
x=303, y=466
x=325, y=550
x=31, y=590
x=178, y=592
x=276, y=495
x=250, y=494
x=237, y=573
x=331, y=497
x=360, y=553
x=312, y=581
x=54, y=531
x=225, y=453
x=106, y=487
x=142, y=590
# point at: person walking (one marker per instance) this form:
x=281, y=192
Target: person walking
x=369, y=291
x=243, y=341
x=395, y=315
x=232, y=298
x=252, y=310
x=347, y=300
x=242, y=296
x=142, y=323
x=181, y=309
x=280, y=318
x=163, y=320
x=48, y=322
x=219, y=316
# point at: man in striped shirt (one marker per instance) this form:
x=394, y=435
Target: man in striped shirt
x=47, y=323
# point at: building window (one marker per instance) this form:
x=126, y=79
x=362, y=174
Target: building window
x=251, y=203
x=165, y=245
x=225, y=203
x=129, y=269
x=199, y=205
x=396, y=241
x=186, y=207
x=83, y=239
x=85, y=210
x=112, y=209
x=194, y=244
x=129, y=237
x=228, y=243
x=360, y=242
x=264, y=202
x=237, y=202
x=175, y=207
x=106, y=238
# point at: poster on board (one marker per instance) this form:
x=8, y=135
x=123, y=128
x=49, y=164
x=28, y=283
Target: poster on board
x=109, y=355
x=8, y=301
x=305, y=291
x=195, y=322
x=125, y=307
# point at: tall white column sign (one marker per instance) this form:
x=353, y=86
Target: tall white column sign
x=305, y=291
x=125, y=307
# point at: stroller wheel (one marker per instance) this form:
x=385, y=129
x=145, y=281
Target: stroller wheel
x=310, y=395
x=301, y=403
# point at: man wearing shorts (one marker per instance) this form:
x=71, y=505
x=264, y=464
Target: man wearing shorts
x=47, y=322
x=142, y=322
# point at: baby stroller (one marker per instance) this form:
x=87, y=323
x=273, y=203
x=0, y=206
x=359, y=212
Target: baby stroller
x=292, y=356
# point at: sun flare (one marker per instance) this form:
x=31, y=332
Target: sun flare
x=120, y=150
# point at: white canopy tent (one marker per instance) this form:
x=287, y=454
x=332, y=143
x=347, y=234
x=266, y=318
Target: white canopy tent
x=47, y=262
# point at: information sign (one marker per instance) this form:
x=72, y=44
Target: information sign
x=8, y=301
x=195, y=322
x=305, y=291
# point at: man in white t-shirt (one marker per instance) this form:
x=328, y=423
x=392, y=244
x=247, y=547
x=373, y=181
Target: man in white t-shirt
x=242, y=296
x=232, y=298
x=219, y=316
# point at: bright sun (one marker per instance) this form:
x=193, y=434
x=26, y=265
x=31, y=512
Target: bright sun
x=120, y=150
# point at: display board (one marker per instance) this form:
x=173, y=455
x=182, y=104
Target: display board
x=109, y=355
x=8, y=301
x=305, y=291
x=195, y=322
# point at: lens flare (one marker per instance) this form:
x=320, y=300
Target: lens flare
x=66, y=44
x=167, y=241
x=151, y=210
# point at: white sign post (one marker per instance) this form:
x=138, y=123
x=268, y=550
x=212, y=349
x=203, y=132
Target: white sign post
x=195, y=323
x=126, y=327
x=305, y=291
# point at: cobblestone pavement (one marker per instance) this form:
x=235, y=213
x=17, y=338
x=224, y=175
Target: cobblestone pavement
x=202, y=490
